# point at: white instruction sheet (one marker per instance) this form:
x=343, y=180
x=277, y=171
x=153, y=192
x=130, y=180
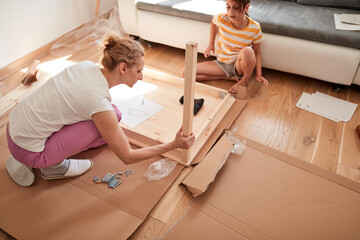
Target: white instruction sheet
x=344, y=26
x=327, y=106
x=134, y=108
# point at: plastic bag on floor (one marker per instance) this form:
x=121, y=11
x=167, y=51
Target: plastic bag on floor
x=160, y=169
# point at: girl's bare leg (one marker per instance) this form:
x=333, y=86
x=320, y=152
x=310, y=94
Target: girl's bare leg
x=244, y=65
x=206, y=71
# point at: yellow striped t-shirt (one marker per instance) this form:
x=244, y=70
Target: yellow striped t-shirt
x=232, y=40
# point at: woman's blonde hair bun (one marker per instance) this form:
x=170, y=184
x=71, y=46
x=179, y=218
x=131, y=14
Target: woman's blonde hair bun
x=117, y=50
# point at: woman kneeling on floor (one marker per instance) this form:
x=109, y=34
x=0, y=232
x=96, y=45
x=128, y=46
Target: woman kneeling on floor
x=72, y=112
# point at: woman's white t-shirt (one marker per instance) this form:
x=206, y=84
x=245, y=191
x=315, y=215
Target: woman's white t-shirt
x=73, y=95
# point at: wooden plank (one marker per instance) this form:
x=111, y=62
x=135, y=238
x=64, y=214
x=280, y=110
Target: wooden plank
x=329, y=138
x=350, y=145
x=328, y=145
x=225, y=123
x=305, y=125
x=182, y=208
x=210, y=124
x=190, y=75
x=149, y=229
x=241, y=92
x=348, y=172
x=167, y=204
x=216, y=123
x=161, y=78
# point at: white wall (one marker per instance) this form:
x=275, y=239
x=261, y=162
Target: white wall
x=26, y=25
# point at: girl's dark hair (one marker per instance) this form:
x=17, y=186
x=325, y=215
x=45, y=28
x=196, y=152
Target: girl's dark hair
x=242, y=4
x=120, y=50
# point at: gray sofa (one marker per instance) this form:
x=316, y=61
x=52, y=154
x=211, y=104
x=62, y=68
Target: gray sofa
x=299, y=36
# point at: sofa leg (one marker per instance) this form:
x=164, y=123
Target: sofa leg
x=150, y=44
x=136, y=38
x=357, y=89
x=338, y=87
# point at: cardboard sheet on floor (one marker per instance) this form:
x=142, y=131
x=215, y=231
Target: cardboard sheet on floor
x=78, y=208
x=258, y=196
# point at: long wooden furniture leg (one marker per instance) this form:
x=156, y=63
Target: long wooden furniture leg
x=97, y=9
x=189, y=75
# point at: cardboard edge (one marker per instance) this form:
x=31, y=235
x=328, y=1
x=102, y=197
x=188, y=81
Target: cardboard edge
x=205, y=172
x=309, y=167
x=226, y=122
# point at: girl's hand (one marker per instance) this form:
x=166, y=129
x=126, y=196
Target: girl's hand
x=263, y=80
x=208, y=51
x=183, y=142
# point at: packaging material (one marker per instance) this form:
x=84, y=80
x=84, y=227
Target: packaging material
x=160, y=169
x=89, y=35
x=78, y=208
x=258, y=196
x=239, y=146
x=204, y=173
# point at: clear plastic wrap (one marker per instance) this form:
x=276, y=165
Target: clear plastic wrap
x=160, y=169
x=89, y=35
x=239, y=146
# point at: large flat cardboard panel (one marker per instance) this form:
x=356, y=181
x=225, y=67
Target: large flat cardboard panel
x=77, y=208
x=261, y=197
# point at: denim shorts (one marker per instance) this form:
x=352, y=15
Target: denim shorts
x=228, y=69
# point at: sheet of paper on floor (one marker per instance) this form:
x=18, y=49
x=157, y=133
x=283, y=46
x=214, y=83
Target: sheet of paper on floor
x=344, y=26
x=327, y=106
x=134, y=107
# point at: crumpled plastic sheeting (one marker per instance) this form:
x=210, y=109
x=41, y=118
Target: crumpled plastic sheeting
x=160, y=169
x=89, y=35
x=239, y=146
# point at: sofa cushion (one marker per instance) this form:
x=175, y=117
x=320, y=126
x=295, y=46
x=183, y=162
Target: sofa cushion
x=302, y=21
x=332, y=3
x=287, y=18
x=184, y=8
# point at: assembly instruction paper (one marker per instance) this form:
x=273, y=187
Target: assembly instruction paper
x=134, y=108
x=343, y=24
x=327, y=106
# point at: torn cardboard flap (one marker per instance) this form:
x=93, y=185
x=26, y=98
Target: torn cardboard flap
x=204, y=173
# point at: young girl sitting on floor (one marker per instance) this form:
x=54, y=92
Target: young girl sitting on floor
x=238, y=47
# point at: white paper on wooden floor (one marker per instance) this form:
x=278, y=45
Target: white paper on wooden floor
x=134, y=108
x=327, y=106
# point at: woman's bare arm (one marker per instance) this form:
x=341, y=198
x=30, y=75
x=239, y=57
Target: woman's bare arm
x=107, y=124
